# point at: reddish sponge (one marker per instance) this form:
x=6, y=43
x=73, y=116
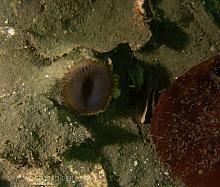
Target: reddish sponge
x=186, y=125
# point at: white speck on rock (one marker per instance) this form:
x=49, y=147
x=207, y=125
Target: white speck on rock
x=135, y=163
x=212, y=48
x=10, y=31
x=68, y=118
x=7, y=30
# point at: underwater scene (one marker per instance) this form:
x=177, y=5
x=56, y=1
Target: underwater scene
x=110, y=93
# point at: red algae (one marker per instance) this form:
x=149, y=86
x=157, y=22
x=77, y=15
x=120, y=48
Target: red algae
x=186, y=125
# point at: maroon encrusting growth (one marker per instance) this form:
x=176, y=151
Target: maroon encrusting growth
x=87, y=87
x=186, y=125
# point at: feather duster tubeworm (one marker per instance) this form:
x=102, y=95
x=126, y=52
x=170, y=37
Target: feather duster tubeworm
x=87, y=87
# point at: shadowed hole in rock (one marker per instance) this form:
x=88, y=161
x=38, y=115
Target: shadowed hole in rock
x=164, y=31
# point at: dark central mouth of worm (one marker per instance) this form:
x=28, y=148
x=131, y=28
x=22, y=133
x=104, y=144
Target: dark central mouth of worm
x=87, y=88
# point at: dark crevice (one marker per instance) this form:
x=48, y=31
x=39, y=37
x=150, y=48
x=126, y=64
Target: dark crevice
x=213, y=8
x=164, y=32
